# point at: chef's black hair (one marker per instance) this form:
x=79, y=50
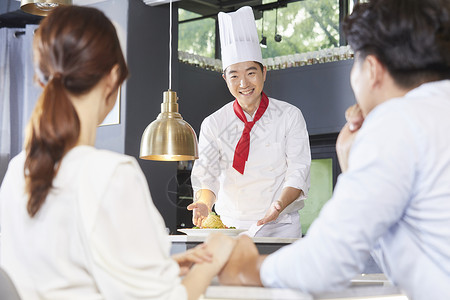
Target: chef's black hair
x=260, y=65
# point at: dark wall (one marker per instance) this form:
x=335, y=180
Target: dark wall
x=148, y=56
x=321, y=91
x=201, y=93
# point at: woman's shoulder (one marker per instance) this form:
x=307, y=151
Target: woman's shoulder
x=97, y=156
x=15, y=170
x=111, y=157
x=17, y=161
x=96, y=163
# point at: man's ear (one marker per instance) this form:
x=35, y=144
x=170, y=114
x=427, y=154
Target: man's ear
x=377, y=71
x=224, y=76
x=264, y=73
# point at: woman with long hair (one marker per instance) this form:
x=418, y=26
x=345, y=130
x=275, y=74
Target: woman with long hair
x=78, y=222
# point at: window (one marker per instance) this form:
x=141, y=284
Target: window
x=308, y=27
x=196, y=37
x=304, y=26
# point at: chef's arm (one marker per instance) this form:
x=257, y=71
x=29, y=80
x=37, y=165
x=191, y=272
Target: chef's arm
x=205, y=196
x=288, y=195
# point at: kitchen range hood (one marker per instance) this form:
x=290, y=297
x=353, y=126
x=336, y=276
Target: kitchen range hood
x=157, y=2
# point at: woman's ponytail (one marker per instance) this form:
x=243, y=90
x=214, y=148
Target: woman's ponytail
x=54, y=129
x=70, y=59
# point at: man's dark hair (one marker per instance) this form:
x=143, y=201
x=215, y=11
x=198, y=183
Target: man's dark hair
x=260, y=65
x=411, y=38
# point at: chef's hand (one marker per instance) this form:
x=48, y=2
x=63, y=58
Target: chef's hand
x=243, y=265
x=347, y=135
x=200, y=212
x=272, y=213
x=197, y=255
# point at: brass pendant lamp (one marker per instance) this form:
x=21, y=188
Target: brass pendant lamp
x=169, y=137
x=41, y=7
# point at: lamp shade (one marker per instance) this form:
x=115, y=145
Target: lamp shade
x=263, y=42
x=169, y=137
x=41, y=7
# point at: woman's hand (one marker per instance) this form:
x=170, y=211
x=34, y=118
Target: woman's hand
x=199, y=277
x=272, y=213
x=221, y=246
x=197, y=255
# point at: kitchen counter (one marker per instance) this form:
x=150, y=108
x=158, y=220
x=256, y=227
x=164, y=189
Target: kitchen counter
x=265, y=245
x=259, y=293
x=374, y=286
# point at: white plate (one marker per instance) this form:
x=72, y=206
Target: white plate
x=206, y=232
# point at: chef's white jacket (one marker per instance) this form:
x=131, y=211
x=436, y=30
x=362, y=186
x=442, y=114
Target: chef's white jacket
x=97, y=236
x=279, y=157
x=394, y=200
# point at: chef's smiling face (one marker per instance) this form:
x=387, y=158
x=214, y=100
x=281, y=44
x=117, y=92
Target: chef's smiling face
x=245, y=81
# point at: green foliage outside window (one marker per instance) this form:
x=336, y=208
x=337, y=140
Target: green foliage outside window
x=305, y=26
x=320, y=192
x=197, y=37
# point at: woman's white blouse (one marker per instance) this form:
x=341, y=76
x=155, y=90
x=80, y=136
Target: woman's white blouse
x=97, y=236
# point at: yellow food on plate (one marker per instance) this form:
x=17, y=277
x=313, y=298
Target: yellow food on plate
x=213, y=221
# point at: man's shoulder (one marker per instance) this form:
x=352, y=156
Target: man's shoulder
x=281, y=103
x=284, y=107
x=221, y=113
x=224, y=109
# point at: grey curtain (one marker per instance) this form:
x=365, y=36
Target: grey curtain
x=18, y=91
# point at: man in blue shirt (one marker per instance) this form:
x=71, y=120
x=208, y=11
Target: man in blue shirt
x=393, y=199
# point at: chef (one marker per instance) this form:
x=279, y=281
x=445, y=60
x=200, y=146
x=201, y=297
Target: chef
x=254, y=154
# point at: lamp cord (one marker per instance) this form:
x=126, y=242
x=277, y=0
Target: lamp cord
x=170, y=47
x=276, y=20
x=262, y=25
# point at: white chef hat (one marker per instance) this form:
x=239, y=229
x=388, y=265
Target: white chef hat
x=239, y=37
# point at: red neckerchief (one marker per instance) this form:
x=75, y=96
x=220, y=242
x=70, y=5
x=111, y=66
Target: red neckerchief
x=243, y=146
